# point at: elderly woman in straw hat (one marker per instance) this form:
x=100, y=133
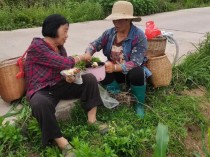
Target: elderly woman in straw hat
x=124, y=45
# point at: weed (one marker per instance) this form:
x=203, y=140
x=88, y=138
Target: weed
x=162, y=139
x=199, y=63
x=23, y=14
x=10, y=138
x=129, y=135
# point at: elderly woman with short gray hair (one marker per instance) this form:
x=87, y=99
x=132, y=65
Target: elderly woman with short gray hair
x=46, y=58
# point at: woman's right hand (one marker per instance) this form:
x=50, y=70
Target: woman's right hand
x=70, y=79
x=109, y=67
x=87, y=57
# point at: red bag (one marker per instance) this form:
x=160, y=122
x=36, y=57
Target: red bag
x=151, y=30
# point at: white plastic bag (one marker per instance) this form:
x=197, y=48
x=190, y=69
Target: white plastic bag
x=108, y=101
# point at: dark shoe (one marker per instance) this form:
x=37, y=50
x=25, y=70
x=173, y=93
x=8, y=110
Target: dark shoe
x=68, y=151
x=102, y=127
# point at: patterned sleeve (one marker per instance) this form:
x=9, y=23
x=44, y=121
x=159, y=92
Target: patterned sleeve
x=137, y=53
x=45, y=56
x=98, y=44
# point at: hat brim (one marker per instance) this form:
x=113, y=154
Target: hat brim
x=120, y=16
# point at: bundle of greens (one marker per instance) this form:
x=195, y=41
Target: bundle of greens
x=82, y=65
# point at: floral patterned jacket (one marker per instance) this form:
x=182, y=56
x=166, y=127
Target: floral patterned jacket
x=134, y=47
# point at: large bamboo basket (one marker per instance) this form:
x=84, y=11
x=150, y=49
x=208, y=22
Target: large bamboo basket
x=161, y=69
x=156, y=46
x=11, y=88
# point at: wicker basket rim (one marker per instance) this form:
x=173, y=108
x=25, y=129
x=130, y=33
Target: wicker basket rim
x=8, y=62
x=158, y=57
x=157, y=39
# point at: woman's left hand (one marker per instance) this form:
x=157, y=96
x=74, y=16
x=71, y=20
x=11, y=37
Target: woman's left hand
x=109, y=67
x=70, y=79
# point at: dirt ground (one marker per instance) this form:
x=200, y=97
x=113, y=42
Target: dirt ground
x=193, y=140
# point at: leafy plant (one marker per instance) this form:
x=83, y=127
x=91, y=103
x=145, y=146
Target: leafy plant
x=205, y=149
x=199, y=63
x=129, y=135
x=20, y=15
x=106, y=5
x=10, y=137
x=87, y=11
x=209, y=138
x=23, y=14
x=81, y=65
x=162, y=139
x=51, y=151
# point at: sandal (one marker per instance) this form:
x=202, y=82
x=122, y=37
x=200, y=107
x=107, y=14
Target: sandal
x=68, y=151
x=102, y=127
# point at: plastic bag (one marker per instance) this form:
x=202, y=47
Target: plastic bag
x=108, y=101
x=151, y=30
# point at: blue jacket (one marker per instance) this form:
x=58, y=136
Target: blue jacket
x=134, y=47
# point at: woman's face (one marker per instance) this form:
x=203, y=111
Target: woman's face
x=62, y=34
x=122, y=24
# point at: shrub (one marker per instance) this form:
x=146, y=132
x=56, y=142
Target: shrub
x=29, y=13
x=87, y=11
x=22, y=16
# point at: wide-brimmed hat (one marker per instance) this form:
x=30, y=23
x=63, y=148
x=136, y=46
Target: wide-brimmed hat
x=123, y=10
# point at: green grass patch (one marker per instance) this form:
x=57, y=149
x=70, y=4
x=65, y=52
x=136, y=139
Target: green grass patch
x=26, y=14
x=195, y=68
x=33, y=16
x=129, y=136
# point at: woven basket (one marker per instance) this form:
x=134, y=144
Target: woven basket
x=11, y=88
x=156, y=47
x=161, y=69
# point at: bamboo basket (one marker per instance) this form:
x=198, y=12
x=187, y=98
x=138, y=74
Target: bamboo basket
x=161, y=69
x=156, y=46
x=11, y=88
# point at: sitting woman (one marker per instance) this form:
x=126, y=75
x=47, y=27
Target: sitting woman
x=124, y=45
x=46, y=58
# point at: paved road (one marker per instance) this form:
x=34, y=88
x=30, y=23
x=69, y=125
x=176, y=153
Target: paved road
x=189, y=28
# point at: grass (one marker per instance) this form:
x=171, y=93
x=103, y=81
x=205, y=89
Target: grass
x=25, y=17
x=129, y=136
x=199, y=63
x=20, y=14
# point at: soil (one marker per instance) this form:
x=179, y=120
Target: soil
x=205, y=103
x=193, y=141
x=33, y=155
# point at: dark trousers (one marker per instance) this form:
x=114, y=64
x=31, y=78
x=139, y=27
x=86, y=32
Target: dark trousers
x=43, y=103
x=135, y=76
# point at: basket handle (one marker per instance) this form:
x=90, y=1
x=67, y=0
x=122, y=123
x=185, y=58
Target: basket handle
x=9, y=59
x=21, y=73
x=171, y=39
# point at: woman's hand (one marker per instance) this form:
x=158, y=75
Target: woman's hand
x=109, y=67
x=70, y=79
x=87, y=57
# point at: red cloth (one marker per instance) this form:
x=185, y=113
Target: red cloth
x=43, y=66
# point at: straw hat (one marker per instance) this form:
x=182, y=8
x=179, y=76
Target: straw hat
x=123, y=10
